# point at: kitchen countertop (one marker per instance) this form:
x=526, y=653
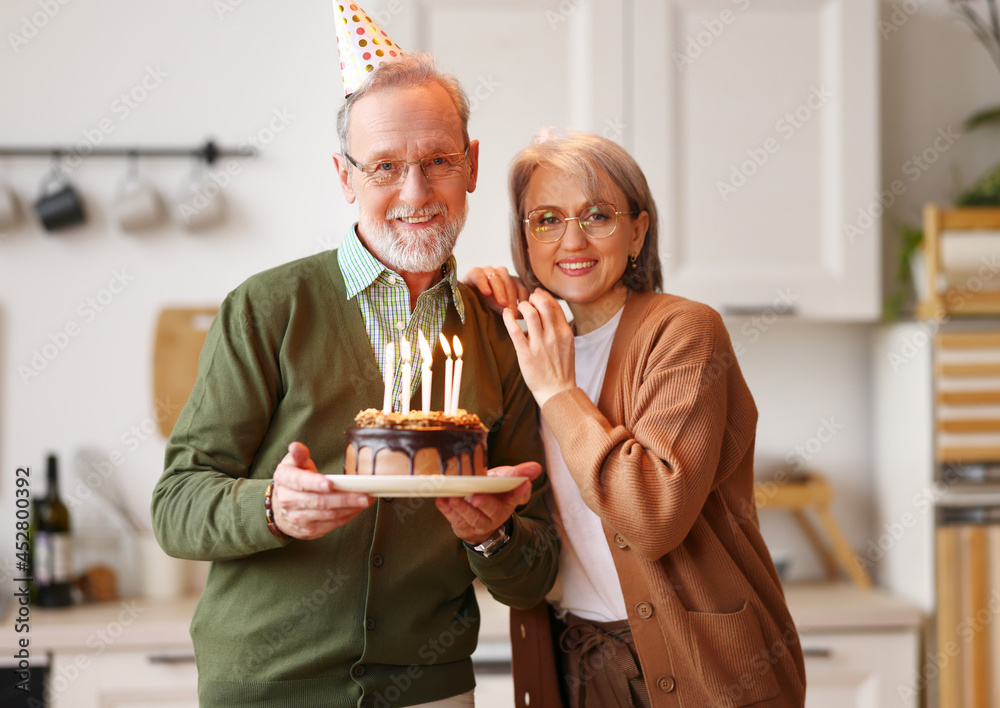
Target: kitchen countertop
x=819, y=607
x=138, y=624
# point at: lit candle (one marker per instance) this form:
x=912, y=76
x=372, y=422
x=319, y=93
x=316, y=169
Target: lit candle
x=388, y=373
x=456, y=383
x=447, y=374
x=425, y=370
x=404, y=395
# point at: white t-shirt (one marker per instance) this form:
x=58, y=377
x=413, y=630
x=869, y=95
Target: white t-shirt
x=587, y=584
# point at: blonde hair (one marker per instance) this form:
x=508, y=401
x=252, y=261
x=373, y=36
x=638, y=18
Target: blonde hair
x=601, y=167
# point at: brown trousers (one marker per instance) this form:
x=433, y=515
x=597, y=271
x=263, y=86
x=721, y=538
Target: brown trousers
x=599, y=664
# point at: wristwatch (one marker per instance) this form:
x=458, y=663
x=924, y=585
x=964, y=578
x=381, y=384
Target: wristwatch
x=497, y=540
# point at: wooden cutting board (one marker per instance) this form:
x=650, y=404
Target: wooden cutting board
x=180, y=334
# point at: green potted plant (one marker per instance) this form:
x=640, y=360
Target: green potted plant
x=909, y=271
x=985, y=24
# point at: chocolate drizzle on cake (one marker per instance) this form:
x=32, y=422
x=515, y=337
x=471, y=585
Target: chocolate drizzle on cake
x=455, y=438
x=448, y=443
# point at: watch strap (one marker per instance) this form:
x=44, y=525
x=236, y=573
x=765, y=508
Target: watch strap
x=497, y=540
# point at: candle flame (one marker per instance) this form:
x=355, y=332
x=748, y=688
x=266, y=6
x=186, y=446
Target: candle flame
x=425, y=349
x=458, y=347
x=444, y=345
x=405, y=350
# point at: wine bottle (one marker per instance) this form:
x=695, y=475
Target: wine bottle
x=52, y=562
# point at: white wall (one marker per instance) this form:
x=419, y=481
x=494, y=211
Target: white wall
x=259, y=66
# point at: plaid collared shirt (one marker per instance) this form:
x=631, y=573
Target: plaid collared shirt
x=384, y=300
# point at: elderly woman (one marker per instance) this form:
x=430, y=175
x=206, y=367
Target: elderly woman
x=666, y=593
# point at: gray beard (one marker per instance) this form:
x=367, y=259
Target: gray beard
x=421, y=253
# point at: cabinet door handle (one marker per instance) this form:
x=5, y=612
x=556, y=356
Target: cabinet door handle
x=816, y=653
x=752, y=310
x=171, y=658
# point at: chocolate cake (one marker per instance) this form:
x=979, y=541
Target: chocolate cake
x=418, y=443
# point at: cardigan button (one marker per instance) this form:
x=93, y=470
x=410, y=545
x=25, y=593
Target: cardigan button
x=358, y=670
x=666, y=684
x=370, y=623
x=644, y=610
x=377, y=561
x=620, y=541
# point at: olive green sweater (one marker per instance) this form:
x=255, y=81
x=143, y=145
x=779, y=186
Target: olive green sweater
x=380, y=612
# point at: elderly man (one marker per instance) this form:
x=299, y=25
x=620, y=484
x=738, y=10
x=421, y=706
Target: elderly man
x=334, y=598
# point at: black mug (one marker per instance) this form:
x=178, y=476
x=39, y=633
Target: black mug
x=59, y=206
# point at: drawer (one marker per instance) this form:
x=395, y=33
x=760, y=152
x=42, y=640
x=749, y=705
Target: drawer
x=865, y=669
x=164, y=678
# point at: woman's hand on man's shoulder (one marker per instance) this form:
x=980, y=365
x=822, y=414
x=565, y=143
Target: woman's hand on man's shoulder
x=497, y=288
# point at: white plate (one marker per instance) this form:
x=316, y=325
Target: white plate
x=430, y=485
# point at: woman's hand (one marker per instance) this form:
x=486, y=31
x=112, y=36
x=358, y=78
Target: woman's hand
x=546, y=355
x=497, y=288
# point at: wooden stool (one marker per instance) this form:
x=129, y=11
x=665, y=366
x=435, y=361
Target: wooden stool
x=812, y=492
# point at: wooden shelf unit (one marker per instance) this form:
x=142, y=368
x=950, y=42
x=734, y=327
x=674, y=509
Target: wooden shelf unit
x=940, y=304
x=964, y=362
x=966, y=373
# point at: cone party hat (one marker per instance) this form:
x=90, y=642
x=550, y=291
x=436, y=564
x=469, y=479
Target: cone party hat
x=363, y=45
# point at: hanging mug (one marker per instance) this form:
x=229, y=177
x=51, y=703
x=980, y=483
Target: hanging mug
x=137, y=205
x=59, y=206
x=200, y=203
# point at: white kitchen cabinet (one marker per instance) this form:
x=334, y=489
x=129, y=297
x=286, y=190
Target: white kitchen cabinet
x=861, y=647
x=860, y=669
x=123, y=654
x=153, y=678
x=756, y=124
x=776, y=99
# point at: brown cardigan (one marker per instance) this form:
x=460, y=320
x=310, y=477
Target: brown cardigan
x=666, y=461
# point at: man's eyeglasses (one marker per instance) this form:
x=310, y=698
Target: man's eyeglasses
x=434, y=167
x=596, y=221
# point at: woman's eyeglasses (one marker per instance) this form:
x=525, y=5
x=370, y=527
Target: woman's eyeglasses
x=596, y=221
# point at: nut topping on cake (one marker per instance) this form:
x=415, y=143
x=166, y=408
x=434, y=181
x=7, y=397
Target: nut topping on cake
x=418, y=420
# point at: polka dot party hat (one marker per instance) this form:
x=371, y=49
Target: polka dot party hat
x=363, y=45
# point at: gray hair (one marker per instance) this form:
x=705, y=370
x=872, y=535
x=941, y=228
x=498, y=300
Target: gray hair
x=601, y=167
x=409, y=70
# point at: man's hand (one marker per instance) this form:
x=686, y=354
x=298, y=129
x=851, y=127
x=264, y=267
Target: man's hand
x=304, y=502
x=475, y=518
x=497, y=288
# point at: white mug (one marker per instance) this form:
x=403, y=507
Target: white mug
x=137, y=206
x=10, y=209
x=200, y=203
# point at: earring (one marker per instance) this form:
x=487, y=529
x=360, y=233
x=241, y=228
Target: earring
x=632, y=262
